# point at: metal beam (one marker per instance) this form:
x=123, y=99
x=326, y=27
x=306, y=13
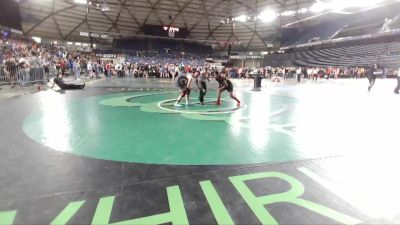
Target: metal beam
x=55, y=21
x=234, y=29
x=69, y=34
x=48, y=16
x=227, y=42
x=246, y=6
x=180, y=10
x=117, y=18
x=208, y=20
x=131, y=15
x=111, y=21
x=58, y=28
x=256, y=33
x=207, y=12
x=152, y=9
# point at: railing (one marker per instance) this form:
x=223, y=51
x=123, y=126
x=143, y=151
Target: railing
x=25, y=77
x=335, y=34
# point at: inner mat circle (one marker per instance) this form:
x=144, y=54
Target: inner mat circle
x=209, y=107
x=130, y=127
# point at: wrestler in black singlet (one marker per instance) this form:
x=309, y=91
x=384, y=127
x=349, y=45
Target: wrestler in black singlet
x=181, y=83
x=221, y=81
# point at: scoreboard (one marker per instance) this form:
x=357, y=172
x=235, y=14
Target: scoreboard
x=165, y=31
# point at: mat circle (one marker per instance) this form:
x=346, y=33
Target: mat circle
x=227, y=106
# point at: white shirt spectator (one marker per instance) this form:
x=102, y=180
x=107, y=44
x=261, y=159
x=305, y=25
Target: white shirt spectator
x=89, y=66
x=309, y=72
x=24, y=63
x=117, y=67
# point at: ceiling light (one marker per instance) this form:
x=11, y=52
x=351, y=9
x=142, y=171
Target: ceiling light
x=267, y=15
x=85, y=34
x=319, y=7
x=303, y=10
x=105, y=7
x=241, y=18
x=81, y=1
x=288, y=13
x=37, y=39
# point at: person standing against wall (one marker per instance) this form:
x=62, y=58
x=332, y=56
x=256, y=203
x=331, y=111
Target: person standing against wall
x=24, y=69
x=396, y=90
x=298, y=74
x=77, y=68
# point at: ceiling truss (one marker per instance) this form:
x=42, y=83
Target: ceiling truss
x=202, y=18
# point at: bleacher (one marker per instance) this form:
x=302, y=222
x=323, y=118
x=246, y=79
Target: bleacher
x=156, y=58
x=387, y=54
x=361, y=27
x=323, y=31
x=336, y=27
x=161, y=46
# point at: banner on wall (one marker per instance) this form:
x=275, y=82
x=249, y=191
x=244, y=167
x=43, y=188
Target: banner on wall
x=216, y=65
x=235, y=57
x=246, y=57
x=254, y=57
x=101, y=55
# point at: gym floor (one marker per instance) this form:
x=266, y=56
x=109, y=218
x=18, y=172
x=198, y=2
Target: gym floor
x=119, y=152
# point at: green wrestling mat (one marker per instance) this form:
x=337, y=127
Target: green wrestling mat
x=146, y=127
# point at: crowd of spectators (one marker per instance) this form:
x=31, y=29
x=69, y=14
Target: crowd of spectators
x=268, y=72
x=355, y=72
x=23, y=61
